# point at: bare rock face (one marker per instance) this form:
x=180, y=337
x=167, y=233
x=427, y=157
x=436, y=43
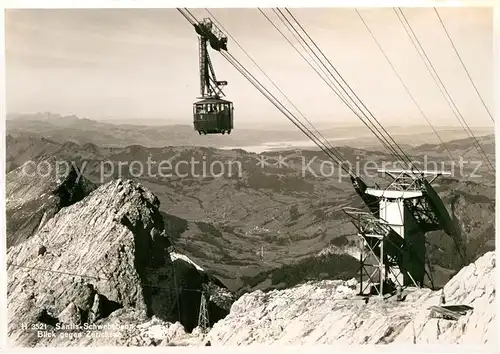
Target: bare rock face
x=71, y=315
x=36, y=191
x=106, y=252
x=327, y=312
x=475, y=286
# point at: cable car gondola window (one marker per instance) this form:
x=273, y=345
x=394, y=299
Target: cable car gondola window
x=213, y=116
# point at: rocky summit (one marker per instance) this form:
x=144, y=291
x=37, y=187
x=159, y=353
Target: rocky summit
x=101, y=266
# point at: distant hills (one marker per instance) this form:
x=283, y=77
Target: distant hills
x=83, y=130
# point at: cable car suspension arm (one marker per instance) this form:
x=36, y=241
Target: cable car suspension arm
x=209, y=85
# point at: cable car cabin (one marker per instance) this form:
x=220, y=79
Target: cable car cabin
x=213, y=116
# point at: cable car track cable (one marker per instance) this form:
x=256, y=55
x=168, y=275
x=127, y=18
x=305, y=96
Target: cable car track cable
x=463, y=65
x=326, y=78
x=404, y=85
x=187, y=15
x=350, y=89
x=330, y=83
x=457, y=245
x=403, y=154
x=442, y=88
x=237, y=65
x=330, y=75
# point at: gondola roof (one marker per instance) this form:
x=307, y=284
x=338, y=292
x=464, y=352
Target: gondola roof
x=212, y=100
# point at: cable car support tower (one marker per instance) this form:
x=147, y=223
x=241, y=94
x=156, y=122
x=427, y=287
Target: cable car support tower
x=392, y=235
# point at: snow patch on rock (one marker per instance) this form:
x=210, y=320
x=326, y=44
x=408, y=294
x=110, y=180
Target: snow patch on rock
x=174, y=256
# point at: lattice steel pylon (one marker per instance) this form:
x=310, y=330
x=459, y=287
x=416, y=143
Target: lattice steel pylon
x=381, y=253
x=203, y=320
x=392, y=234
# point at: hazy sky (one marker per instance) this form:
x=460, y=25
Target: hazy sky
x=143, y=63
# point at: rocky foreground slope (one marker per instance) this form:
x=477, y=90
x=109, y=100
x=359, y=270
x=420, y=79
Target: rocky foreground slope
x=96, y=267
x=99, y=268
x=327, y=312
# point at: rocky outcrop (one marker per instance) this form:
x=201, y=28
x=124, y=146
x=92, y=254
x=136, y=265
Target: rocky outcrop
x=328, y=312
x=36, y=191
x=105, y=255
